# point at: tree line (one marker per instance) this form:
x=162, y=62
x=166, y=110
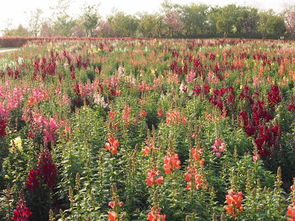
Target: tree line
x=173, y=21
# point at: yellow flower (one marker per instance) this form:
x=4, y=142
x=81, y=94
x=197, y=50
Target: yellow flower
x=16, y=143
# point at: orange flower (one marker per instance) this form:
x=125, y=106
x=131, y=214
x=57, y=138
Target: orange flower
x=171, y=161
x=154, y=178
x=143, y=113
x=174, y=117
x=192, y=177
x=112, y=115
x=112, y=145
x=154, y=215
x=126, y=114
x=32, y=101
x=234, y=203
x=291, y=212
x=160, y=113
x=196, y=153
x=112, y=216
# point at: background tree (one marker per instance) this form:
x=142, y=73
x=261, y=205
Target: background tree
x=149, y=25
x=271, y=25
x=63, y=23
x=90, y=19
x=290, y=20
x=195, y=19
x=174, y=23
x=123, y=25
x=248, y=22
x=104, y=29
x=78, y=30
x=19, y=31
x=227, y=20
x=35, y=22
x=47, y=30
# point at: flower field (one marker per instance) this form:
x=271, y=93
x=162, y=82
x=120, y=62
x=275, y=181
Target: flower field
x=148, y=129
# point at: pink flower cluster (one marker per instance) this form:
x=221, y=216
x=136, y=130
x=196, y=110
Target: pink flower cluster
x=218, y=147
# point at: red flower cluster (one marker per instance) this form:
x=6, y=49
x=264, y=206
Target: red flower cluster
x=171, y=161
x=112, y=145
x=33, y=180
x=267, y=136
x=223, y=98
x=255, y=123
x=46, y=171
x=274, y=96
x=154, y=215
x=234, y=203
x=2, y=128
x=47, y=168
x=21, y=213
x=291, y=107
x=154, y=177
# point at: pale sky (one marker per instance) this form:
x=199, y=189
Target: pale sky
x=18, y=11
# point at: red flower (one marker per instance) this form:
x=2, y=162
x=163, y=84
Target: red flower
x=274, y=96
x=33, y=180
x=291, y=107
x=21, y=213
x=112, y=145
x=47, y=168
x=2, y=128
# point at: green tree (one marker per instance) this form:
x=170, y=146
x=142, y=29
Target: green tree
x=90, y=19
x=149, y=25
x=123, y=25
x=19, y=31
x=63, y=23
x=35, y=22
x=195, y=18
x=271, y=25
x=227, y=20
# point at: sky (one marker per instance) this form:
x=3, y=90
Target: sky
x=14, y=12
